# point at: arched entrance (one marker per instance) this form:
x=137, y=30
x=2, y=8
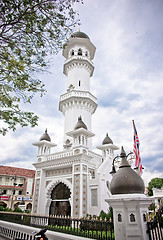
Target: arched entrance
x=29, y=206
x=60, y=204
x=3, y=204
x=16, y=205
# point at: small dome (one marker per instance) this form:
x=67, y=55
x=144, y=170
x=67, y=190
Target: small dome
x=79, y=35
x=45, y=136
x=80, y=124
x=126, y=180
x=107, y=140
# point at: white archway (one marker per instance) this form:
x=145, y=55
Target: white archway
x=52, y=185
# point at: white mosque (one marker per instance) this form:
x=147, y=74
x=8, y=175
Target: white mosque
x=74, y=181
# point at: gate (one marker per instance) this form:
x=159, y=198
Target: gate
x=155, y=227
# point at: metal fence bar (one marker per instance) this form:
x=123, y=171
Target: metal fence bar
x=155, y=227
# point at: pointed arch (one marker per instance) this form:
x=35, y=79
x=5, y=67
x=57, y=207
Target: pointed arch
x=52, y=185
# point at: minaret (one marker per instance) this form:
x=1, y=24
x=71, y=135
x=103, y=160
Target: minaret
x=78, y=67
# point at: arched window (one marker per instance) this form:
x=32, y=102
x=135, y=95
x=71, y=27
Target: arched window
x=72, y=53
x=79, y=83
x=80, y=52
x=119, y=217
x=86, y=54
x=132, y=217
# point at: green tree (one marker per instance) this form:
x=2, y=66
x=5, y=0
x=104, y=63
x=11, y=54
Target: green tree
x=154, y=183
x=30, y=30
x=108, y=216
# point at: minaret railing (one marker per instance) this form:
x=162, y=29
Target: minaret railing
x=77, y=93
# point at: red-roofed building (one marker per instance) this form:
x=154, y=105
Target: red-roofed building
x=16, y=187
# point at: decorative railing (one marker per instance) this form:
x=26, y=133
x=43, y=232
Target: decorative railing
x=14, y=234
x=59, y=155
x=85, y=227
x=76, y=93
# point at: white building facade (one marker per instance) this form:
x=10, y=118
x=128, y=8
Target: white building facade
x=74, y=181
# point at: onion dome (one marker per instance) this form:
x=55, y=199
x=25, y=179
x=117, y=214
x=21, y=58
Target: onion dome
x=107, y=140
x=45, y=136
x=79, y=35
x=80, y=124
x=126, y=180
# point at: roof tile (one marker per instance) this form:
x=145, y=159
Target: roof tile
x=14, y=171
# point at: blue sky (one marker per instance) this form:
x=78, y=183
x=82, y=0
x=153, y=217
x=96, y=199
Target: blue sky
x=127, y=81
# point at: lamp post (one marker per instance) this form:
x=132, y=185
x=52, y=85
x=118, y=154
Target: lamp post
x=113, y=171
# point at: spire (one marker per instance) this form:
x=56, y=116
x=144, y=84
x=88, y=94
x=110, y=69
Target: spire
x=124, y=162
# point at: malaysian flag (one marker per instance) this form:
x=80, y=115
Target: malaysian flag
x=136, y=150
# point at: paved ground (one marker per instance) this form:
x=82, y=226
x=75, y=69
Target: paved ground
x=3, y=238
x=54, y=238
x=27, y=229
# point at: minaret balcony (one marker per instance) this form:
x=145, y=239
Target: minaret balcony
x=75, y=61
x=80, y=94
x=75, y=97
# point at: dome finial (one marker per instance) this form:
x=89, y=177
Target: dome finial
x=107, y=140
x=123, y=153
x=124, y=162
x=45, y=136
x=80, y=124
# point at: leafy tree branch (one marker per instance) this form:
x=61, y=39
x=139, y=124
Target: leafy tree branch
x=30, y=30
x=154, y=183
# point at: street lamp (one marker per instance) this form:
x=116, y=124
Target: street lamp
x=113, y=171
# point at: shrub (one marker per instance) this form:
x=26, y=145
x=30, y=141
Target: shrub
x=17, y=209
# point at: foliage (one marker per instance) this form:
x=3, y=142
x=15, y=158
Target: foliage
x=152, y=207
x=30, y=30
x=154, y=183
x=17, y=209
x=96, y=222
x=108, y=216
x=4, y=209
